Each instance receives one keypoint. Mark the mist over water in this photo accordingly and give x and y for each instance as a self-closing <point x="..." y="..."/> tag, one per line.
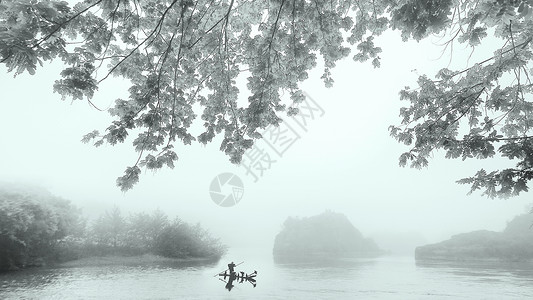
<point x="389" y="277"/>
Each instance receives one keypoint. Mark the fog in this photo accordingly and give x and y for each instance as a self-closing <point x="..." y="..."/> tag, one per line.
<point x="345" y="161"/>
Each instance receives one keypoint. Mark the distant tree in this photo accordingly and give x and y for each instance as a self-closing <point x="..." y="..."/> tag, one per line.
<point x="137" y="230"/>
<point x="181" y="240"/>
<point x="143" y="229"/>
<point x="154" y="233"/>
<point x="178" y="54"/>
<point x="520" y="225"/>
<point x="110" y="229"/>
<point x="205" y="244"/>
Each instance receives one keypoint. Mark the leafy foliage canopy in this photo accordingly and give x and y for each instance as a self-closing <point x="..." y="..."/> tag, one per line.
<point x="179" y="54"/>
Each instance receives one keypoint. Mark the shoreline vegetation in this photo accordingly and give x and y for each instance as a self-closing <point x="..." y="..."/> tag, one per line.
<point x="143" y="259"/>
<point x="38" y="229"/>
<point x="513" y="244"/>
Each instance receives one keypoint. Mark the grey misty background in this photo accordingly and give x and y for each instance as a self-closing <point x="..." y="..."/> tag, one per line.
<point x="345" y="162"/>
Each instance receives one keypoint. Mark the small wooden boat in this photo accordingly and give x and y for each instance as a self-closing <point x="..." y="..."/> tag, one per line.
<point x="239" y="275"/>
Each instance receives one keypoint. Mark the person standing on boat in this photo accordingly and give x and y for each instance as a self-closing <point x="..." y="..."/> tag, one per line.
<point x="231" y="267"/>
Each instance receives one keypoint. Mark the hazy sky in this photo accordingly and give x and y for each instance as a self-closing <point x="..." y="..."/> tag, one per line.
<point x="345" y="162"/>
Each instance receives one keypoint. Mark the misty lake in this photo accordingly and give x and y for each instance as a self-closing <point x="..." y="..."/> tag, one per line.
<point x="388" y="277"/>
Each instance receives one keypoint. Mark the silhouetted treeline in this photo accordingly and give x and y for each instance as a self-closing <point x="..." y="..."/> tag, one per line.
<point x="36" y="230"/>
<point x="514" y="243"/>
<point x="141" y="233"/>
<point x="329" y="234"/>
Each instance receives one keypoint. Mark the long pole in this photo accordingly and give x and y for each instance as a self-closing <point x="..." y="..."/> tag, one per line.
<point x="228" y="269"/>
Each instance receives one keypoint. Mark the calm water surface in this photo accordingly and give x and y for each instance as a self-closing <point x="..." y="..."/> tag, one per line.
<point x="380" y="278"/>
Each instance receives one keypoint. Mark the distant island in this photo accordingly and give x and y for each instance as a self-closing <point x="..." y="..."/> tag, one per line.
<point x="515" y="243"/>
<point x="326" y="235"/>
<point x="38" y="229"/>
